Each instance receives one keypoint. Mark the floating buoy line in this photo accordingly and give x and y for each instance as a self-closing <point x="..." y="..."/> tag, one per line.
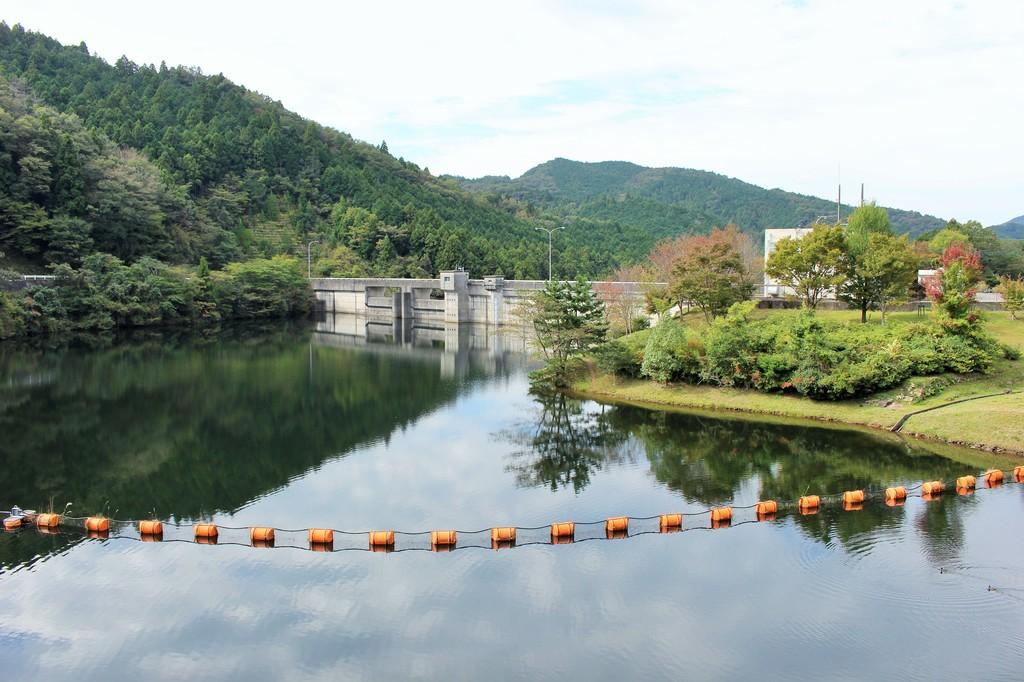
<point x="497" y="537"/>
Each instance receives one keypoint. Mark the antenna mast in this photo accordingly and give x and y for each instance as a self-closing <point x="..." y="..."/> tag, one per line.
<point x="839" y="196"/>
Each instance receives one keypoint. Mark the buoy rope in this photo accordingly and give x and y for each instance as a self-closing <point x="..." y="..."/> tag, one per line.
<point x="1018" y="475"/>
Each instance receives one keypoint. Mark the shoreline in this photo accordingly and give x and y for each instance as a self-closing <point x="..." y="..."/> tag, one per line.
<point x="651" y="395"/>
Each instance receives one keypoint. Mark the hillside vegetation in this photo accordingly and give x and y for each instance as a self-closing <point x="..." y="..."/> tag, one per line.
<point x="209" y="168"/>
<point x="1011" y="229"/>
<point x="646" y="197"/>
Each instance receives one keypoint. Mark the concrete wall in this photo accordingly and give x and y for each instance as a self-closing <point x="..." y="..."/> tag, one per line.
<point x="452" y="298"/>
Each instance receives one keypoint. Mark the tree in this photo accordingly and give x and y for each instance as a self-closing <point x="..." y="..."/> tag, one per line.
<point x="710" y="275"/>
<point x="888" y="268"/>
<point x="946" y="237"/>
<point x="622" y="305"/>
<point x="880" y="267"/>
<point x="954" y="286"/>
<point x="1013" y="294"/>
<point x="812" y="264"/>
<point x="865" y="221"/>
<point x="569" y="321"/>
<point x="203" y="303"/>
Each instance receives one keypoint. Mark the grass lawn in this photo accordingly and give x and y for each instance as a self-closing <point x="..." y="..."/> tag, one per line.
<point x="992" y="423"/>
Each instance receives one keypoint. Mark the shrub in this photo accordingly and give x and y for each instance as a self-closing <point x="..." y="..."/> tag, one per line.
<point x="12" y="320"/>
<point x="671" y="354"/>
<point x="615" y="358"/>
<point x="817" y="358"/>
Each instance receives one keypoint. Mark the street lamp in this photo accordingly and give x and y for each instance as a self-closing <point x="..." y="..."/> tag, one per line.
<point x="550" y="231"/>
<point x="309" y="258"/>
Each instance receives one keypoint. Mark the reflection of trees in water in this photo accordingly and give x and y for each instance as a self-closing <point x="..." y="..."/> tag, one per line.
<point x="707" y="460"/>
<point x="564" y="444"/>
<point x="27" y="547"/>
<point x="191" y="428"/>
<point x="941" y="528"/>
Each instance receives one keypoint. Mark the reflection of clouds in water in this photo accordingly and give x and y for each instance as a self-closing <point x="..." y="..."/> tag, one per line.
<point x="732" y="603"/>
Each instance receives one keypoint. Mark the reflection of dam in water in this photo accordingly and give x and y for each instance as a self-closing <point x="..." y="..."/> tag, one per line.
<point x="457" y="346"/>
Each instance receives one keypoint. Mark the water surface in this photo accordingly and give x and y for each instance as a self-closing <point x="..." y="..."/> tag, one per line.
<point x="368" y="426"/>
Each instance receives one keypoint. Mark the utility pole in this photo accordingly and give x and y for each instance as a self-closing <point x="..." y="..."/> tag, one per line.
<point x="550" y="231"/>
<point x="862" y="194"/>
<point x="309" y="258"/>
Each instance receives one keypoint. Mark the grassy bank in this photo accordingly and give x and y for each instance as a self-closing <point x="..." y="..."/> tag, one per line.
<point x="995" y="424"/>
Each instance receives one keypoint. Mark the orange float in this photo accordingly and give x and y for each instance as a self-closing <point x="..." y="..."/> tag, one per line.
<point x="261" y="534"/>
<point x="721" y="514"/>
<point x="97" y="524"/>
<point x="670" y="522"/>
<point x="205" y="530"/>
<point x="895" y="493"/>
<point x="443" y="538"/>
<point x="151" y="528"/>
<point x="966" y="482"/>
<point x="808" y="502"/>
<point x="565" y="529"/>
<point x="932" y="488"/>
<point x="503" y="534"/>
<point x="617" y="524"/>
<point x="993" y="478"/>
<point x="12" y="522"/>
<point x="963" y="490"/>
<point x="852" y="506"/>
<point x="767" y="508"/>
<point x="382" y="538"/>
<point x="1018" y="473"/>
<point x="853" y="497"/>
<point x="321" y="536"/>
<point x="48" y="520"/>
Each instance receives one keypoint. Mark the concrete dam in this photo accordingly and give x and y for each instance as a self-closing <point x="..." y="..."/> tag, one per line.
<point x="451" y="298"/>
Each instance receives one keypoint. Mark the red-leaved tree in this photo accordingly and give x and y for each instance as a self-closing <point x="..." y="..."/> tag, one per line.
<point x="954" y="287"/>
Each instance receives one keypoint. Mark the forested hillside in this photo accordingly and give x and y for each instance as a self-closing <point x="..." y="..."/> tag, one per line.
<point x="645" y="197"/>
<point x="168" y="163"/>
<point x="1011" y="229"/>
<point x="226" y="173"/>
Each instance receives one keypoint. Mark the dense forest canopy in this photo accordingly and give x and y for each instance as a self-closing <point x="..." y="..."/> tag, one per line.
<point x="647" y="196"/>
<point x="226" y="173"/>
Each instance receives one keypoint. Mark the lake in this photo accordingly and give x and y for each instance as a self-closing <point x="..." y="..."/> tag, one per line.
<point x="358" y="426"/>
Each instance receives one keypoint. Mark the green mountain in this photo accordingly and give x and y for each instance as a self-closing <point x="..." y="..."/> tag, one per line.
<point x="144" y="160"/>
<point x="1011" y="229"/>
<point x="653" y="198"/>
<point x="166" y="162"/>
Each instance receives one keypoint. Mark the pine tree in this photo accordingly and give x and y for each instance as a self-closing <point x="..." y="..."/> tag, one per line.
<point x="569" y="321"/>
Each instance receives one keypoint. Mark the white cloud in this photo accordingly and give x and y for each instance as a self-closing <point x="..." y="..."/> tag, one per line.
<point x="920" y="100"/>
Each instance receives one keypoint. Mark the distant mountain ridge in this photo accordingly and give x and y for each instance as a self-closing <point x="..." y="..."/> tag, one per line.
<point x="1011" y="229"/>
<point x="567" y="186"/>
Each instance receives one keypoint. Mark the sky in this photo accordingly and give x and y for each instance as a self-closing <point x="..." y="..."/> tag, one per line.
<point x="921" y="100"/>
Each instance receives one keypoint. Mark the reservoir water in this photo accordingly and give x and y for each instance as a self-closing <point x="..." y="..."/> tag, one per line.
<point x="362" y="426"/>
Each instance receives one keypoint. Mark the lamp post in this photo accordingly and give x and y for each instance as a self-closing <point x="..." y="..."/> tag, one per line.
<point x="309" y="258"/>
<point x="550" y="231"/>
